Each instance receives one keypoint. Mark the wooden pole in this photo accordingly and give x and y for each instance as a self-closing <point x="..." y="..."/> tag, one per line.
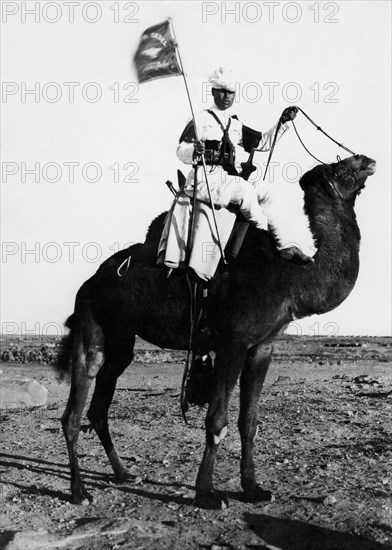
<point x="197" y="137"/>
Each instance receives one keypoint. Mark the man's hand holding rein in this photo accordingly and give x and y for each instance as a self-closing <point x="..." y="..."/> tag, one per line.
<point x="289" y="114"/>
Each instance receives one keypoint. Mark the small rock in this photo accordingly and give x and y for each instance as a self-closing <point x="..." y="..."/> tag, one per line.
<point x="224" y="505"/>
<point x="137" y="480"/>
<point x="362" y="379"/>
<point x="282" y="378"/>
<point x="330" y="499"/>
<point x="22" y="393"/>
<point x="135" y="458"/>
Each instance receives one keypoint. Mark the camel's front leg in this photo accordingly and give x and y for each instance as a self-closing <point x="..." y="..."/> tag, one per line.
<point x="228" y="364"/>
<point x="252" y="379"/>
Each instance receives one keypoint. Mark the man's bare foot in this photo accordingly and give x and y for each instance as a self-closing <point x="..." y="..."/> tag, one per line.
<point x="295" y="255"/>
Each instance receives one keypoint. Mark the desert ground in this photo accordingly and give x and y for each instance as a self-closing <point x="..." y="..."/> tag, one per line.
<point x="324" y="448"/>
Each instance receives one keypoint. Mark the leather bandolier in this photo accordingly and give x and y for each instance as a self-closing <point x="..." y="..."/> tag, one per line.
<point x="222" y="153"/>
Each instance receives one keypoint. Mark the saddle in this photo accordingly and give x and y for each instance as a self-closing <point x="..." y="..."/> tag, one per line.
<point x="203" y="254"/>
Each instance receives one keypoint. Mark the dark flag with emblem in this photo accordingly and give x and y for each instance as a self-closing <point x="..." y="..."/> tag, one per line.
<point x="156" y="56"/>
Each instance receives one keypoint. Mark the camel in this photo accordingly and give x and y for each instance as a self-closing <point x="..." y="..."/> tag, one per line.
<point x="251" y="302"/>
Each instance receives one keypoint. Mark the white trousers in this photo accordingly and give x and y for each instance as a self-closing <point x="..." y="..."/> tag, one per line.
<point x="227" y="189"/>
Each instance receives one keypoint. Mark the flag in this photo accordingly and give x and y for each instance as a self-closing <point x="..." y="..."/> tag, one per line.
<point x="156" y="56"/>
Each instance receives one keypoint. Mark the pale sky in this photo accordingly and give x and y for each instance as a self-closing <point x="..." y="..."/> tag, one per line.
<point x="102" y="147"/>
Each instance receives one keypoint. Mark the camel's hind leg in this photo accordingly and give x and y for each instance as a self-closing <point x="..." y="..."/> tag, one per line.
<point x="228" y="364"/>
<point x="87" y="359"/>
<point x="251" y="383"/>
<point x="118" y="355"/>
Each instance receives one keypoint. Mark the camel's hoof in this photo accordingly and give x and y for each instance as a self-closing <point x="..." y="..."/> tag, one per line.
<point x="257" y="494"/>
<point x="81" y="497"/>
<point x="121" y="477"/>
<point x="127" y="477"/>
<point x="211" y="501"/>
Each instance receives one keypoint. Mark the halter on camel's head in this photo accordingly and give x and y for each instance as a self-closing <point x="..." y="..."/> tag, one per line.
<point x="346" y="177"/>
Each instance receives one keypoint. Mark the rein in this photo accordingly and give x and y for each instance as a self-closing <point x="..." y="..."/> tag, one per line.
<point x="302" y="143"/>
<point x="325" y="133"/>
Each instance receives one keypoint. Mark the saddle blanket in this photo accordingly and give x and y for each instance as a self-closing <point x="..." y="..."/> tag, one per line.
<point x="205" y="254"/>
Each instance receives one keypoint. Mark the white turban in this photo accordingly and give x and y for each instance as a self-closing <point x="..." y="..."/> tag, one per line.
<point x="222" y="79"/>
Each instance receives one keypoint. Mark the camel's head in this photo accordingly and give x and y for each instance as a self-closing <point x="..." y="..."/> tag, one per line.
<point x="343" y="179"/>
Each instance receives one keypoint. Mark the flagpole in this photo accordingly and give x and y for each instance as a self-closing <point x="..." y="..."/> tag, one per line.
<point x="197" y="137"/>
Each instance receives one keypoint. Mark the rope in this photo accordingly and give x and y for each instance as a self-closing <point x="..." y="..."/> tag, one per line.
<point x="325" y="133"/>
<point x="127" y="261"/>
<point x="304" y="146"/>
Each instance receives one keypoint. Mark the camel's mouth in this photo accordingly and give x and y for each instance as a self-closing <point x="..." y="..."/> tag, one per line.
<point x="368" y="171"/>
<point x="371" y="168"/>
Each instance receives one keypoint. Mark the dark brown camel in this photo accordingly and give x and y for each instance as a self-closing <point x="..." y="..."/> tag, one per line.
<point x="251" y="302"/>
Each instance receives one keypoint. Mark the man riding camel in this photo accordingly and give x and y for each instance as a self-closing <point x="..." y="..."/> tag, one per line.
<point x="221" y="138"/>
<point x="221" y="135"/>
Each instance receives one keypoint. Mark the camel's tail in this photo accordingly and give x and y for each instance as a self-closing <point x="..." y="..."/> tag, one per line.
<point x="64" y="358"/>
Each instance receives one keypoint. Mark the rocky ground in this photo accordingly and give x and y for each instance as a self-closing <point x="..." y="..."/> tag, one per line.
<point x="324" y="448"/>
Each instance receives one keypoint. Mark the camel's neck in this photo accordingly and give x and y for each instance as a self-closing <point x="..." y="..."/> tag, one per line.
<point x="331" y="278"/>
